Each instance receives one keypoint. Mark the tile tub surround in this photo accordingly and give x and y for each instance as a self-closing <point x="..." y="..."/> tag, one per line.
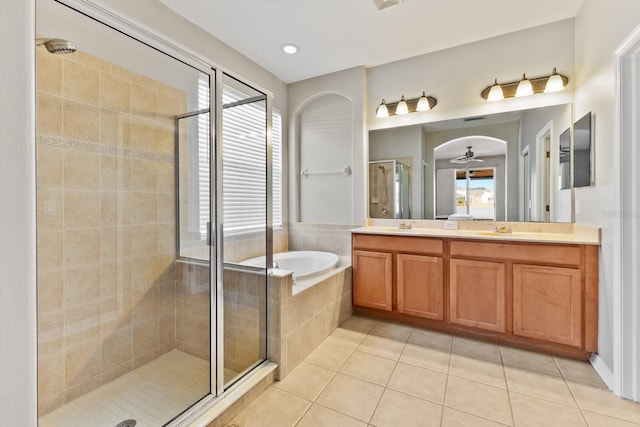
<point x="298" y="323"/>
<point x="105" y="222"/>
<point x="333" y="238"/>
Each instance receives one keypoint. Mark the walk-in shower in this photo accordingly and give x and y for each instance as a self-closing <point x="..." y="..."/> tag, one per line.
<point x="139" y="315"/>
<point x="389" y="189"/>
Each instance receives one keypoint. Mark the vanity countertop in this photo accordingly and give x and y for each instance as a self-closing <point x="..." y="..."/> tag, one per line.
<point x="581" y="235"/>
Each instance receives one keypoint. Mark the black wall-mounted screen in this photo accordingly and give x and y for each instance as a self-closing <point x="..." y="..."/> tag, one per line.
<point x="565" y="159"/>
<point x="582" y="152"/>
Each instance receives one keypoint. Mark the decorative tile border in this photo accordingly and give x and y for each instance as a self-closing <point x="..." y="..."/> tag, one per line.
<point x="105" y="149"/>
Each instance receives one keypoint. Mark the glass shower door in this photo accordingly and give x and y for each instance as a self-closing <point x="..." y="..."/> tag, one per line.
<point x="245" y="227"/>
<point x="124" y="323"/>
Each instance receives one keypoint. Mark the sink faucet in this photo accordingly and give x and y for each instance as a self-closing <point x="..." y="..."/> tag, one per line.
<point x="502" y="228"/>
<point x="405" y="225"/>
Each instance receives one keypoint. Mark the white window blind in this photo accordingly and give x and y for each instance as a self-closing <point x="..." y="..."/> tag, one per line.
<point x="203" y="156"/>
<point x="244" y="169"/>
<point x="276" y="138"/>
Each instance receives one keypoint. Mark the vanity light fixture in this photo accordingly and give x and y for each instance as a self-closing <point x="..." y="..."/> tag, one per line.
<point x="495" y="93"/>
<point x="405" y="106"/>
<point x="402" y="107"/>
<point x="423" y="103"/>
<point x="525" y="87"/>
<point x="382" y="111"/>
<point x="555" y="83"/>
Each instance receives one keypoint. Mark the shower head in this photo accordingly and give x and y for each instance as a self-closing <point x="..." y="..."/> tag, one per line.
<point x="57" y="46"/>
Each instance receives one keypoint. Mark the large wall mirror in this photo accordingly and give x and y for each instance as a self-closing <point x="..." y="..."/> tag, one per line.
<point x="500" y="167"/>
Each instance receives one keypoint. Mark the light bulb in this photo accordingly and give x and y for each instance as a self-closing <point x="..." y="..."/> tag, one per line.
<point x="524" y="87"/>
<point x="423" y="103"/>
<point x="402" y="107"/>
<point x="555" y="83"/>
<point x="496" y="93"/>
<point x="382" y="111"/>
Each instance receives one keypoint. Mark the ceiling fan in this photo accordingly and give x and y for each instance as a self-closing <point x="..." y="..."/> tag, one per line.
<point x="466" y="157"/>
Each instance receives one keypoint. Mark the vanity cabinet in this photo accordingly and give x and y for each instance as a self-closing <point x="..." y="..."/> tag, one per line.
<point x="373" y="273"/>
<point x="477" y="294"/>
<point x="547" y="303"/>
<point x="535" y="295"/>
<point x="420" y="285"/>
<point x="409" y="269"/>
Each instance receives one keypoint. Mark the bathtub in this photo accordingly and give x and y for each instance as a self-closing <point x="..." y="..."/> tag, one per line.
<point x="305" y="265"/>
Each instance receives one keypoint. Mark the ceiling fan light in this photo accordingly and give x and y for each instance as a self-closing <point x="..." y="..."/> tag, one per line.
<point x="402" y="107"/>
<point x="524" y="87"/>
<point x="423" y="103"/>
<point x="382" y="111"/>
<point x="555" y="83"/>
<point x="495" y="93"/>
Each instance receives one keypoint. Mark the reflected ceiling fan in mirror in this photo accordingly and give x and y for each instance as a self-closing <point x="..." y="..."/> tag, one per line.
<point x="467" y="157"/>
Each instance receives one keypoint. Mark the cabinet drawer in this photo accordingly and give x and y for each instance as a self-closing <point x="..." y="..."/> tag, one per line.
<point x="544" y="254"/>
<point x="409" y="244"/>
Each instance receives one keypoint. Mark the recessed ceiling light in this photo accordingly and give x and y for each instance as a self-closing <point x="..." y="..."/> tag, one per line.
<point x="290" y="48"/>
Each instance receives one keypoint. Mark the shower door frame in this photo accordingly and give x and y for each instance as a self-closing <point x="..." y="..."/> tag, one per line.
<point x="145" y="35"/>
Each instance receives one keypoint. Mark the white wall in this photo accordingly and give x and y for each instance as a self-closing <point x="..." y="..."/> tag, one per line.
<point x="17" y="216"/>
<point x="350" y="84"/>
<point x="600" y="27"/>
<point x="325" y="145"/>
<point x="456" y="76"/>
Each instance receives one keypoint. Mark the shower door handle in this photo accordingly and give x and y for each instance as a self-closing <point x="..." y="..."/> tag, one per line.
<point x="209" y="231"/>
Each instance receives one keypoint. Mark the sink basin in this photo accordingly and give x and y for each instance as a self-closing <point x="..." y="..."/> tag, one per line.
<point x="512" y="234"/>
<point x="491" y="233"/>
<point x="392" y="229"/>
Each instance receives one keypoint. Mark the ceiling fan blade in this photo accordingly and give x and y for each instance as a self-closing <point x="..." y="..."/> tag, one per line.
<point x="459" y="160"/>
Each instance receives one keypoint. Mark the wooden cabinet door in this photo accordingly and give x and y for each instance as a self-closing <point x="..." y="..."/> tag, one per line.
<point x="477" y="294"/>
<point x="547" y="303"/>
<point x="420" y="286"/>
<point x="372" y="279"/>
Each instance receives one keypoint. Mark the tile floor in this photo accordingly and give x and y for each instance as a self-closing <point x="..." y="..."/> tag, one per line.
<point x="152" y="395"/>
<point x="372" y="373"/>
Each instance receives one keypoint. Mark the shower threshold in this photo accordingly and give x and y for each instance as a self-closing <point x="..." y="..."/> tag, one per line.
<point x="152" y="395"/>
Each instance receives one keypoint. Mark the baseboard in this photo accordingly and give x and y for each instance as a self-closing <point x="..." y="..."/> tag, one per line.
<point x="603" y="370"/>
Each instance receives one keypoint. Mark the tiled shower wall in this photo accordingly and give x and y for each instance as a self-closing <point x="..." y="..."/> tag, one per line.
<point x="106" y="226"/>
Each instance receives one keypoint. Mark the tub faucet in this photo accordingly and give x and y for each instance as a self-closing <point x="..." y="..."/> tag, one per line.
<point x="502" y="228"/>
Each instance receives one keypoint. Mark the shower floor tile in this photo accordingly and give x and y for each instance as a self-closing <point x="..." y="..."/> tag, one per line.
<point x="152" y="395"/>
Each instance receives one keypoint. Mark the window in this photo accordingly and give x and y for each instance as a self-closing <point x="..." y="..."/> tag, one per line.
<point x="244" y="163"/>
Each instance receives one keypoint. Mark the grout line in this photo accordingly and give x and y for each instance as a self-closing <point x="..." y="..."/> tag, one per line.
<point x="506" y="384"/>
<point x="446" y="385"/>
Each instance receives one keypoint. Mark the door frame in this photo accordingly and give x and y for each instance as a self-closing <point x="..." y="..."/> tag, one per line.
<point x="626" y="296"/>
